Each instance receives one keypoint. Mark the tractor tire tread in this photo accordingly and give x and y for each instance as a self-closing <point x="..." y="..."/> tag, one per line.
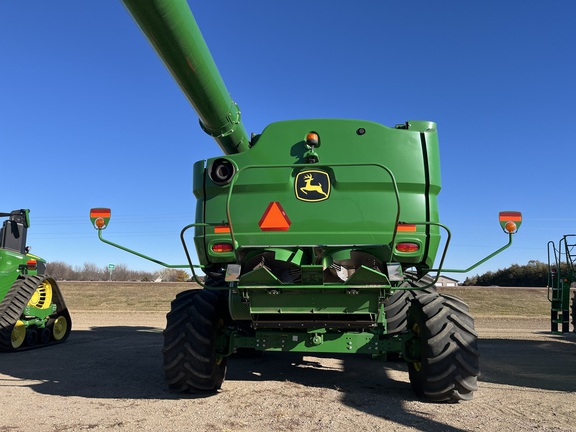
<point x="191" y="364"/>
<point x="448" y="370"/>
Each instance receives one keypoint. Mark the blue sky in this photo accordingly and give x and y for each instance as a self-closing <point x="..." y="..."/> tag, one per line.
<point x="89" y="116"/>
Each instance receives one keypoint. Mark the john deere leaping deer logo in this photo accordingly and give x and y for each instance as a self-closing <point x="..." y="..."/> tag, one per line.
<point x="312" y="186"/>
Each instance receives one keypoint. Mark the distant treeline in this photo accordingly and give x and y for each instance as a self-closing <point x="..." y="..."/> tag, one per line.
<point x="533" y="274"/>
<point x="91" y="272"/>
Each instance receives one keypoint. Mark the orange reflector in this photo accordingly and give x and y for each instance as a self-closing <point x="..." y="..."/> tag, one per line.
<point x="100" y="212"/>
<point x="100" y="223"/>
<point x="407" y="247"/>
<point x="510" y="226"/>
<point x="31" y="264"/>
<point x="221" y="229"/>
<point x="274" y="218"/>
<point x="222" y="247"/>
<point x="406" y="227"/>
<point x="510" y="216"/>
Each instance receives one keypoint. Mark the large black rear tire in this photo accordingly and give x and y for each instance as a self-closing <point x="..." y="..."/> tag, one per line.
<point x="444" y="358"/>
<point x="397" y="305"/>
<point x="191" y="361"/>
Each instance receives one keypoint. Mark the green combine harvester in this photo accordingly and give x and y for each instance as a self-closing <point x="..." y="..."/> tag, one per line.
<point x="32" y="310"/>
<point x="315" y="236"/>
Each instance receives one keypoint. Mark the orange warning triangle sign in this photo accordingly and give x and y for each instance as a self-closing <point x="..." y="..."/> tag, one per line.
<point x="274" y="218"/>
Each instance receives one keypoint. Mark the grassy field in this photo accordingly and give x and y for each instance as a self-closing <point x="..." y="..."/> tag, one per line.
<point x="121" y="296"/>
<point x="126" y="296"/>
<point x="502" y="301"/>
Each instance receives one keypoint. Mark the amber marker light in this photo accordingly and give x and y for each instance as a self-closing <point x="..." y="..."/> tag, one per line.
<point x="312" y="139"/>
<point x="404" y="227"/>
<point x="31" y="264"/>
<point x="221" y="229"/>
<point x="510" y="221"/>
<point x="100" y="217"/>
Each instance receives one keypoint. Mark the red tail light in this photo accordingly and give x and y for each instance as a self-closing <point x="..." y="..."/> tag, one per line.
<point x="32" y="264"/>
<point x="407" y="247"/>
<point x="222" y="247"/>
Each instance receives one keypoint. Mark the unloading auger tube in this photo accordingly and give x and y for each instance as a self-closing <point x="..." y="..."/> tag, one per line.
<point x="315" y="237"/>
<point x="172" y="30"/>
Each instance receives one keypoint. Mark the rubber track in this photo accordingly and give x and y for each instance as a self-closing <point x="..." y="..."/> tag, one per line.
<point x="13" y="305"/>
<point x="190" y="361"/>
<point x="450" y="352"/>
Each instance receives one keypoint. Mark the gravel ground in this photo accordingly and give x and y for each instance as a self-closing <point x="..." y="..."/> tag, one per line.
<point x="108" y="376"/>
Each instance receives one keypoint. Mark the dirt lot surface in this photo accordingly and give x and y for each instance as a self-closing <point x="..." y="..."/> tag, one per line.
<point x="108" y="376"/>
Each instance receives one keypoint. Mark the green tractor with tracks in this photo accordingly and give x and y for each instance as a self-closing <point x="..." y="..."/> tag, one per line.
<point x="315" y="236"/>
<point x="32" y="309"/>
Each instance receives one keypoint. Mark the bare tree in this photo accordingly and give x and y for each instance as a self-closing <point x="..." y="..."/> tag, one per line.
<point x="91" y="272"/>
<point x="173" y="275"/>
<point x="60" y="271"/>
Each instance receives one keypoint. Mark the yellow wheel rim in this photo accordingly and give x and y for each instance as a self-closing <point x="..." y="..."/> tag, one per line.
<point x="60" y="328"/>
<point x="42" y="297"/>
<point x="18" y="334"/>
